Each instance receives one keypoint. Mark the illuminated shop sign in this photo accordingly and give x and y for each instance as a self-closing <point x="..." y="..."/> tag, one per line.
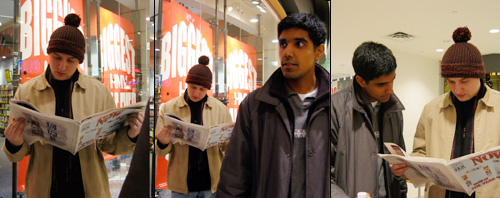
<point x="39" y="18"/>
<point x="118" y="57"/>
<point x="241" y="73"/>
<point x="185" y="37"/>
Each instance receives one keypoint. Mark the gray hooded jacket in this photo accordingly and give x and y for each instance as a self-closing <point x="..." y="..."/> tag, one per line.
<point x="354" y="149"/>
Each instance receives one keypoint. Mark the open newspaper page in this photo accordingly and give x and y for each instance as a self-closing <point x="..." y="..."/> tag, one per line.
<point x="464" y="174"/>
<point x="46" y="128"/>
<point x="69" y="134"/>
<point x="477" y="169"/>
<point x="219" y="133"/>
<point x="423" y="170"/>
<point x="100" y="125"/>
<point x="195" y="135"/>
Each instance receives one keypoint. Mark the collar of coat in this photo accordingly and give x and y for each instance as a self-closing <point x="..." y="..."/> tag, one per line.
<point x="83" y="81"/>
<point x="274" y="92"/>
<point x="394" y="104"/>
<point x="181" y="102"/>
<point x="487" y="99"/>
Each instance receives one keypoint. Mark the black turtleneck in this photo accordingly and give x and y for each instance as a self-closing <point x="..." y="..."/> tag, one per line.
<point x="198" y="178"/>
<point x="463" y="143"/>
<point x="66" y="169"/>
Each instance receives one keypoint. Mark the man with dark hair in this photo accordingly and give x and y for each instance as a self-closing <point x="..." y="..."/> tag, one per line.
<point x="279" y="146"/>
<point x="364" y="116"/>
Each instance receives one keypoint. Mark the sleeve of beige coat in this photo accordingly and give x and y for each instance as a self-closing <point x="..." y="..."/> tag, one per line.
<point x="419" y="147"/>
<point x="226" y="118"/>
<point x="25" y="149"/>
<point x="159" y="124"/>
<point x="117" y="143"/>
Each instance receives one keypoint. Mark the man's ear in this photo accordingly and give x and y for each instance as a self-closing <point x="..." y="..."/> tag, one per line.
<point x="318" y="52"/>
<point x="361" y="81"/>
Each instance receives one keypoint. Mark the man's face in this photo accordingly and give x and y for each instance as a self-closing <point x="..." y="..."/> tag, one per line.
<point x="62" y="66"/>
<point x="378" y="89"/>
<point x="196" y="92"/>
<point x="297" y="54"/>
<point x="464" y="88"/>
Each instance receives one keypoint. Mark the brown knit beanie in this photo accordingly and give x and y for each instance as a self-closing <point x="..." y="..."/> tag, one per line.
<point x="462" y="59"/>
<point x="200" y="74"/>
<point x="68" y="39"/>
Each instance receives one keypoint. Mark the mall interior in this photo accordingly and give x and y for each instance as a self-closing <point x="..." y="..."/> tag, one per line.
<point x="141" y="50"/>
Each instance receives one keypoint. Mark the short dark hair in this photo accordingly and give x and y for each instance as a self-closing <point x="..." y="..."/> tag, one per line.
<point x="372" y="60"/>
<point x="315" y="27"/>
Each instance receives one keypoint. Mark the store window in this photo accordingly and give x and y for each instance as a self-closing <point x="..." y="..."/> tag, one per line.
<point x="6" y="90"/>
<point x="117" y="54"/>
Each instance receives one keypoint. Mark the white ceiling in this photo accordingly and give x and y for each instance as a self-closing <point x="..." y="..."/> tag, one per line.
<point x="6" y="11"/>
<point x="431" y="22"/>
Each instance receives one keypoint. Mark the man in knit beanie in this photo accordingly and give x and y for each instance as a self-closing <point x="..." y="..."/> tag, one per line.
<point x="192" y="172"/>
<point x="463" y="120"/>
<point x="63" y="91"/>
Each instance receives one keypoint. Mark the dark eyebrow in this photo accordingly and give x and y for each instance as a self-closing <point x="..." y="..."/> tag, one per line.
<point x="296" y="39"/>
<point x="301" y="39"/>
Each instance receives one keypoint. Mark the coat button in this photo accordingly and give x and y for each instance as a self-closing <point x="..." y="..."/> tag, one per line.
<point x="311" y="153"/>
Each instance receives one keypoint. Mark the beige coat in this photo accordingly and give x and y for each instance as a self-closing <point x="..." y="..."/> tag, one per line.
<point x="436" y="130"/>
<point x="89" y="97"/>
<point x="214" y="112"/>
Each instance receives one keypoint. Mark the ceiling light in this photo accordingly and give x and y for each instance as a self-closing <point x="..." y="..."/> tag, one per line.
<point x="275" y="41"/>
<point x="262" y="10"/>
<point x="254" y="20"/>
<point x="494" y="31"/>
<point x="255" y="2"/>
<point x="4" y="57"/>
<point x="229" y="9"/>
<point x="439" y="50"/>
<point x="258" y="6"/>
<point x="157" y="49"/>
<point x="259" y="58"/>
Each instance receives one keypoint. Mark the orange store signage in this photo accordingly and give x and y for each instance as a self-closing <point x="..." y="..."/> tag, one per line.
<point x="241" y="73"/>
<point x="118" y="57"/>
<point x="185" y="37"/>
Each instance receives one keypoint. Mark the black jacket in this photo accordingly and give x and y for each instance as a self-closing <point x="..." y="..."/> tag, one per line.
<point x="258" y="159"/>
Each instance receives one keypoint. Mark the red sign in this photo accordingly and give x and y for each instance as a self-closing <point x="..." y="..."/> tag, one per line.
<point x="185" y="37"/>
<point x="118" y="57"/>
<point x="39" y="18"/>
<point x="241" y="73"/>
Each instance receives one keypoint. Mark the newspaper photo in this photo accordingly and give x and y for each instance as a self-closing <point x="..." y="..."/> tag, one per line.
<point x="463" y="174"/>
<point x="198" y="136"/>
<point x="66" y="133"/>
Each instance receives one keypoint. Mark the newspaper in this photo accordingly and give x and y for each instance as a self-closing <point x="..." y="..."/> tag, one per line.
<point x="198" y="136"/>
<point x="463" y="174"/>
<point x="66" y="133"/>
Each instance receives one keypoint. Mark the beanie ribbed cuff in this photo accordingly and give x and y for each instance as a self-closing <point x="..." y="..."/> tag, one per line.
<point x="199" y="80"/>
<point x="460" y="70"/>
<point x="66" y="47"/>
